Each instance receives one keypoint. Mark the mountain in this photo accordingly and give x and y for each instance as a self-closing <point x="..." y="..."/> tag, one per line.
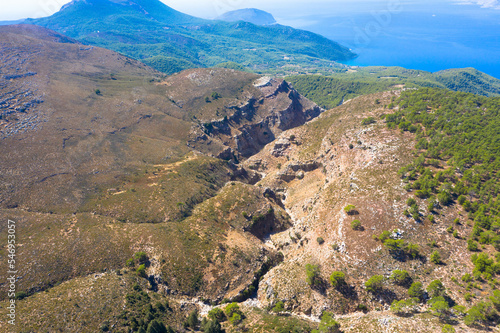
<point x="11" y="22"/>
<point x="142" y="200"/>
<point x="124" y="153"/>
<point x="152" y="32"/>
<point x="252" y="15"/>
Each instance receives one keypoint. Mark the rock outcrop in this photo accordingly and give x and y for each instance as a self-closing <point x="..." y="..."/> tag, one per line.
<point x="273" y="107"/>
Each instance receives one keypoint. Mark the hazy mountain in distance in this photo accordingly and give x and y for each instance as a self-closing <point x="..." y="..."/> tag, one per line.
<point x="149" y="30"/>
<point x="11" y="22"/>
<point x="252" y="15"/>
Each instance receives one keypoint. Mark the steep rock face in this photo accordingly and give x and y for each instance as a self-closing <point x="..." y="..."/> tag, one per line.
<point x="320" y="168"/>
<point x="273" y="107"/>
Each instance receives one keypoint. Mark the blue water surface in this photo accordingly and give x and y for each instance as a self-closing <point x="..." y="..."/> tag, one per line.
<point x="430" y="36"/>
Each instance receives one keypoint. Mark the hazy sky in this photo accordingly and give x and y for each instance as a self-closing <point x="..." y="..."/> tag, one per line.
<point x="17" y="9"/>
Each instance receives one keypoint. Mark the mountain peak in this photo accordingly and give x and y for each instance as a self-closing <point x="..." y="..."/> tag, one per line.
<point x="252" y="15"/>
<point x="97" y="9"/>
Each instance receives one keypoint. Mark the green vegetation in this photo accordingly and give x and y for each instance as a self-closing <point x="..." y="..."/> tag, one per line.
<point x="139" y="32"/>
<point x="350" y="209"/>
<point x="192" y="320"/>
<point x="439" y="307"/>
<point x="398" y="247"/>
<point x="216" y="314"/>
<point x="460" y="131"/>
<point x="279" y="307"/>
<point x="320" y="240"/>
<point x="404" y="307"/>
<point x="356" y="225"/>
<point x="368" y="121"/>
<point x="337" y="279"/>
<point x="212" y="327"/>
<point x="416" y="290"/>
<point x="156" y="327"/>
<point x="330" y="91"/>
<point x="233" y="313"/>
<point x="328" y="324"/>
<point x="401" y="277"/>
<point x="312" y="275"/>
<point x="436" y="288"/>
<point x="435" y="257"/>
<point x="375" y="284"/>
<point x="168" y="65"/>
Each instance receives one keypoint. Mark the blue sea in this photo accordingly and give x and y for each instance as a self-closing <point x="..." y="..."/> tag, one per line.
<point x="430" y="36"/>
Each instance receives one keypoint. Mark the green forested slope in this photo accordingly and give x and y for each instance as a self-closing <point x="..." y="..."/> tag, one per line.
<point x="145" y="29"/>
<point x="330" y="91"/>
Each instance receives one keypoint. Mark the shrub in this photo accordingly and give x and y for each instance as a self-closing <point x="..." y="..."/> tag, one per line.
<point x="337" y="279"/>
<point x="356" y="225"/>
<point x="232" y="309"/>
<point x="435" y="257"/>
<point x="328" y="324"/>
<point x="351" y="146"/>
<point x="394" y="245"/>
<point x="368" y="121"/>
<point x="375" y="284"/>
<point x="474" y="317"/>
<point x="141" y="257"/>
<point x="105" y="327"/>
<point x="400" y="277"/>
<point x="216" y="314"/>
<point x="192" y="320"/>
<point x="412" y="250"/>
<point x="495" y="299"/>
<point x="472" y="245"/>
<point x="279" y="307"/>
<point x="349" y="209"/>
<point x="416" y="290"/>
<point x="482" y="263"/>
<point x="212" y="327"/>
<point x="466" y="278"/>
<point x="320" y="240"/>
<point x="235" y="319"/>
<point x="444" y="198"/>
<point x="20" y="295"/>
<point x="439" y="307"/>
<point x="97" y="91"/>
<point x="384" y="235"/>
<point x="404" y="306"/>
<point x="362" y="307"/>
<point x="436" y="288"/>
<point x="156" y="326"/>
<point x="448" y="329"/>
<point x="312" y="275"/>
<point x="141" y="271"/>
<point x="411" y="201"/>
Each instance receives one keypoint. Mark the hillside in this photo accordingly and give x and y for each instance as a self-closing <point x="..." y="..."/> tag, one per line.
<point x="148" y="202"/>
<point x="114" y="171"/>
<point x="252" y="15"/>
<point x="332" y="89"/>
<point x="152" y="32"/>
